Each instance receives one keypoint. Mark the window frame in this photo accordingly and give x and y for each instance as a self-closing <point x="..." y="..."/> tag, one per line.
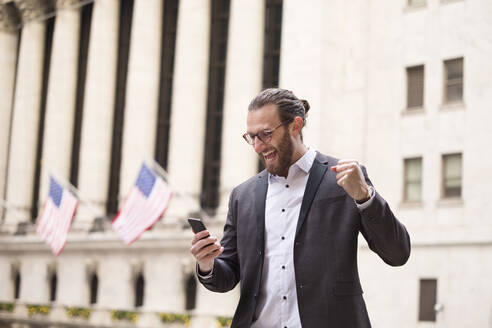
<point x="445" y="83"/>
<point x="443" y="176"/>
<point x="406" y="182"/>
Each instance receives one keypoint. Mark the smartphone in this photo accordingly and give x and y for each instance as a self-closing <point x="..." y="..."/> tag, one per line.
<point x="196" y="225"/>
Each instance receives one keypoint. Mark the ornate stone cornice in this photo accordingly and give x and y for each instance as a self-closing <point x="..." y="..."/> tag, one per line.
<point x="9" y="18"/>
<point x="33" y="9"/>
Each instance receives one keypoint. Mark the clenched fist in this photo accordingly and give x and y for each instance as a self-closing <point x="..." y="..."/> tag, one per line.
<point x="351" y="179"/>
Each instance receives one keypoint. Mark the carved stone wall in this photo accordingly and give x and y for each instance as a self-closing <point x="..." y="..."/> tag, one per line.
<point x="33" y="9"/>
<point x="9" y="18"/>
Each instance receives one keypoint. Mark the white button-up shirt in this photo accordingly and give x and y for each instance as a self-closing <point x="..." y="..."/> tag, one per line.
<point x="277" y="302"/>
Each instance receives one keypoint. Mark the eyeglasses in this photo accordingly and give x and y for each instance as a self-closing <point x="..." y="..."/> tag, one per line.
<point x="264" y="135"/>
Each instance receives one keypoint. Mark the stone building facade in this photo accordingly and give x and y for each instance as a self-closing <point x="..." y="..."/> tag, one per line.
<point x="91" y="88"/>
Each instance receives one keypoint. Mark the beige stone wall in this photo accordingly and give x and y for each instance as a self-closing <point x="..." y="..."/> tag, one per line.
<point x="347" y="58"/>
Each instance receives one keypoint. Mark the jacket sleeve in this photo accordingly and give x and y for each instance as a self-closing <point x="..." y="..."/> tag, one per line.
<point x="225" y="274"/>
<point x="383" y="232"/>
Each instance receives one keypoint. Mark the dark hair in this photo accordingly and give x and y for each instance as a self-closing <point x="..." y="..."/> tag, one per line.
<point x="288" y="105"/>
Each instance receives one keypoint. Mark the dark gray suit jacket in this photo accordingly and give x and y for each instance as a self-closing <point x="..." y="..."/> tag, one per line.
<point x="329" y="293"/>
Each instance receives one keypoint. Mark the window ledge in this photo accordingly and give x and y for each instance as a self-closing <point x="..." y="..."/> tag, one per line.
<point x="450" y="202"/>
<point x="404" y="204"/>
<point x="422" y="6"/>
<point x="444" y="2"/>
<point x="458" y="105"/>
<point x="413" y="111"/>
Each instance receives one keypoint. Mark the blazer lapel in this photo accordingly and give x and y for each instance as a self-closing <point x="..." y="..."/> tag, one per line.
<point x="260" y="200"/>
<point x="315" y="176"/>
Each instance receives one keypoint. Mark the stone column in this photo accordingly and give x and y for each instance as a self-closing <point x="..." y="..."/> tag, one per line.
<point x="9" y="27"/>
<point x="142" y="90"/>
<point x="25" y="116"/>
<point x="95" y="147"/>
<point x="189" y="105"/>
<point x="242" y="83"/>
<point x="60" y="104"/>
<point x="302" y="62"/>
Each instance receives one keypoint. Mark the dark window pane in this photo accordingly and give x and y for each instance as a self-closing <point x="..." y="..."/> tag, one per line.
<point x="53" y="286"/>
<point x="272" y="41"/>
<point x="415" y="86"/>
<point x="139" y="290"/>
<point x="85" y="28"/>
<point x="17" y="285"/>
<point x="94" y="285"/>
<point x="166" y="80"/>
<point x="126" y="13"/>
<point x="190" y="293"/>
<point x="215" y="102"/>
<point x="50" y="27"/>
<point x="428" y="299"/>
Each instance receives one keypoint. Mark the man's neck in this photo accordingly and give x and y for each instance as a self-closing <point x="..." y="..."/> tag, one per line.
<point x="298" y="153"/>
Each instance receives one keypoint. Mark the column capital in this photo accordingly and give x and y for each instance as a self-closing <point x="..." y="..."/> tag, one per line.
<point x="33" y="9"/>
<point x="66" y="4"/>
<point x="9" y="18"/>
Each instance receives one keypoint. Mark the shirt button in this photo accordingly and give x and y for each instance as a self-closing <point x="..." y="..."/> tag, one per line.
<point x="283" y="210"/>
<point x="285" y="297"/>
<point x="283" y="267"/>
<point x="283" y="237"/>
<point x="286" y="186"/>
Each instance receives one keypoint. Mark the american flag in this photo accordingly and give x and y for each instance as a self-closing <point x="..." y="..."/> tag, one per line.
<point x="56" y="217"/>
<point x="145" y="204"/>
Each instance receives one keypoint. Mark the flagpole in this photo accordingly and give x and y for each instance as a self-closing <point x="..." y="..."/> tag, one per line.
<point x="76" y="192"/>
<point x="160" y="170"/>
<point x="164" y="174"/>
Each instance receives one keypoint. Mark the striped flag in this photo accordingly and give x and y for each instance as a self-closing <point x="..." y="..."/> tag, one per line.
<point x="145" y="204"/>
<point x="56" y="217"/>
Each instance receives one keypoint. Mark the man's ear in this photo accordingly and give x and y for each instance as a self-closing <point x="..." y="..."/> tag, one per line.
<point x="297" y="125"/>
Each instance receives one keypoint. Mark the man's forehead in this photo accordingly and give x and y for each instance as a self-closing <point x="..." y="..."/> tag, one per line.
<point x="262" y="118"/>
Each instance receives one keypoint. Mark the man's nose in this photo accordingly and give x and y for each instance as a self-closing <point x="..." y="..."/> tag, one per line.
<point x="258" y="144"/>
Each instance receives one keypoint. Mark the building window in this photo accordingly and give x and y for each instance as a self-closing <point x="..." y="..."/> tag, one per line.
<point x="415" y="87"/>
<point x="452" y="175"/>
<point x="85" y="29"/>
<point x="17" y="283"/>
<point x="428" y="299"/>
<point x="453" y="85"/>
<point x="166" y="80"/>
<point x="93" y="288"/>
<point x="190" y="293"/>
<point x="413" y="180"/>
<point x="271" y="48"/>
<point x="272" y="41"/>
<point x="126" y="13"/>
<point x="48" y="41"/>
<point x="415" y="3"/>
<point x="53" y="286"/>
<point x="215" y="100"/>
<point x="139" y="290"/>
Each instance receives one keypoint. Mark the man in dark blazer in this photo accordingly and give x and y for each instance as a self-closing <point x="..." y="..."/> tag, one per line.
<point x="291" y="233"/>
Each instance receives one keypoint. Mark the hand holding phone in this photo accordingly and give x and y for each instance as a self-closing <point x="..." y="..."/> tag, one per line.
<point x="204" y="249"/>
<point x="196" y="225"/>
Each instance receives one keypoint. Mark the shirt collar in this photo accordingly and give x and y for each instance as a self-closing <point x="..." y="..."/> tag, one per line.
<point x="304" y="163"/>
